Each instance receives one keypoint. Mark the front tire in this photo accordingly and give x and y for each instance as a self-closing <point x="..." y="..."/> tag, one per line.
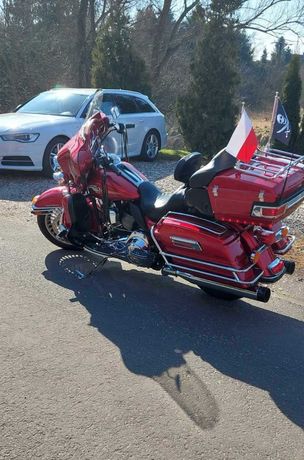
<point x="151" y="146"/>
<point x="53" y="147"/>
<point x="49" y="227"/>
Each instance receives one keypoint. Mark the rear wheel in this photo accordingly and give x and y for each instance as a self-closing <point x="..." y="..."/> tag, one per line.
<point x="49" y="227"/>
<point x="151" y="146"/>
<point x="212" y="292"/>
<point x="49" y="157"/>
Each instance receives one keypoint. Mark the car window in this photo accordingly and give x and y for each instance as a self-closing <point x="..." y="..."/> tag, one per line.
<point x="108" y="103"/>
<point x="62" y="103"/>
<point x="143" y="106"/>
<point x="126" y="104"/>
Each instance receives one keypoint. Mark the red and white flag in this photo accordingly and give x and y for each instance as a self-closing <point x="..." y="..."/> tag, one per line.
<point x="243" y="142"/>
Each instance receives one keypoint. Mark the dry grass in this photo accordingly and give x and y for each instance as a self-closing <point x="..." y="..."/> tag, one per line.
<point x="297" y="253"/>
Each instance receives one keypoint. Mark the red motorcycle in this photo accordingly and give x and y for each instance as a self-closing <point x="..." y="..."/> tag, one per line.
<point x="221" y="229"/>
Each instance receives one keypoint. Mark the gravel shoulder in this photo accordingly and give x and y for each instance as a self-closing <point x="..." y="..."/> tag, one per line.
<point x="18" y="188"/>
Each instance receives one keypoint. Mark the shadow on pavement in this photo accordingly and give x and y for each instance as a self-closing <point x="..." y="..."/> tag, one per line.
<point x="155" y="321"/>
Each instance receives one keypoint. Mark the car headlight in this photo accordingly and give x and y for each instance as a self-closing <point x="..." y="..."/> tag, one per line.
<point x="20" y="137"/>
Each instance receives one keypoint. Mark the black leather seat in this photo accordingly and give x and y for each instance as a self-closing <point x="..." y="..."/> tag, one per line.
<point x="203" y="176"/>
<point x="155" y="204"/>
<point x="187" y="166"/>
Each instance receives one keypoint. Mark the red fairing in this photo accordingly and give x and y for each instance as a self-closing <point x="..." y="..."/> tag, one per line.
<point x="118" y="187"/>
<point x="75" y="157"/>
<point x="52" y="198"/>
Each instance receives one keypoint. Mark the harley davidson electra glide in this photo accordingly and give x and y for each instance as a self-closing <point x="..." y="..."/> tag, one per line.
<point x="221" y="229"/>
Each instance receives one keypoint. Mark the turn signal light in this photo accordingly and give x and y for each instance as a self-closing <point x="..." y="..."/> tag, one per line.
<point x="284" y="231"/>
<point x="35" y="199"/>
<point x="255" y="257"/>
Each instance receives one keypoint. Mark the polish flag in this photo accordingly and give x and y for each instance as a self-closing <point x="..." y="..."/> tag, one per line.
<point x="243" y="142"/>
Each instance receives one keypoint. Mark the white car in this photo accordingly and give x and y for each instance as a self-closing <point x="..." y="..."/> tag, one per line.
<point x="31" y="136"/>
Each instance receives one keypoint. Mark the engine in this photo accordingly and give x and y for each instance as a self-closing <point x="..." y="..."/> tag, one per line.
<point x="134" y="249"/>
<point x="139" y="252"/>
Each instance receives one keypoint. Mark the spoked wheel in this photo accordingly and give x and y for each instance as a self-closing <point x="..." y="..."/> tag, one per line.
<point x="220" y="294"/>
<point x="151" y="146"/>
<point x="50" y="155"/>
<point x="49" y="227"/>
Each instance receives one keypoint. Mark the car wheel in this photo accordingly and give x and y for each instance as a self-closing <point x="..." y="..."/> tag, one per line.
<point x="151" y="146"/>
<point x="53" y="147"/>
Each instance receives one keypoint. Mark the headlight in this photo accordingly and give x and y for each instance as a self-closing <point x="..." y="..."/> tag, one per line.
<point x="20" y="137"/>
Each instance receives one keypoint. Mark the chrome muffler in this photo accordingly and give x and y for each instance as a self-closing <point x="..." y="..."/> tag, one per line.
<point x="261" y="294"/>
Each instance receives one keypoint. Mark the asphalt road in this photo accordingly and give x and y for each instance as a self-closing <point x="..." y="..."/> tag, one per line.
<point x="129" y="365"/>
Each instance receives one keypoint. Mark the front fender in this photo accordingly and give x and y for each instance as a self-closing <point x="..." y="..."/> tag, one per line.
<point x="49" y="200"/>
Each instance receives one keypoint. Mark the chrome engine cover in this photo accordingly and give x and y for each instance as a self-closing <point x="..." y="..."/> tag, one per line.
<point x="134" y="249"/>
<point x="139" y="251"/>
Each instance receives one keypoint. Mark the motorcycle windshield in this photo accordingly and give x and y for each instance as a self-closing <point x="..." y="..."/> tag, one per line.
<point x="96" y="104"/>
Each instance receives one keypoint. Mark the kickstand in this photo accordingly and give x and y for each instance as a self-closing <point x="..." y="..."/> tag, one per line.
<point x="82" y="276"/>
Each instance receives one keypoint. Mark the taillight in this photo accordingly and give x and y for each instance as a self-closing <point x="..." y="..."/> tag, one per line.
<point x="266" y="237"/>
<point x="276" y="266"/>
<point x="269" y="212"/>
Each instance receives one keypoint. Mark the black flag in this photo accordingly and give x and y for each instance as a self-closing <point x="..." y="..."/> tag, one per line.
<point x="281" y="127"/>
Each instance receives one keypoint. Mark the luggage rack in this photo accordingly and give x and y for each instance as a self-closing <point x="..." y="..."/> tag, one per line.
<point x="259" y="166"/>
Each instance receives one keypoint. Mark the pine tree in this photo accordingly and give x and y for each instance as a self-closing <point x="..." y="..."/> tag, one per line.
<point x="115" y="63"/>
<point x="291" y="97"/>
<point x="207" y="112"/>
<point x="300" y="140"/>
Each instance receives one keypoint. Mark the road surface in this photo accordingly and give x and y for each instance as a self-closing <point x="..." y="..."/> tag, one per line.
<point x="130" y="365"/>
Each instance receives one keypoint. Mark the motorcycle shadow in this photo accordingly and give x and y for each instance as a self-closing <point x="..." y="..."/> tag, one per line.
<point x="156" y="320"/>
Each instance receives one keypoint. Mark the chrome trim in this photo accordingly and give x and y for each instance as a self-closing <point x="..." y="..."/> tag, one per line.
<point x="286" y="249"/>
<point x="185" y="243"/>
<point x="225" y="278"/>
<point x="157" y="245"/>
<point x="210" y="264"/>
<point x="294" y="200"/>
<point x="271" y="171"/>
<point x="46" y="210"/>
<point x="202" y="282"/>
<point x="274" y="263"/>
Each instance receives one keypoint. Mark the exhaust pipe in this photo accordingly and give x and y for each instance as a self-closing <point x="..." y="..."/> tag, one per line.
<point x="262" y="294"/>
<point x="290" y="266"/>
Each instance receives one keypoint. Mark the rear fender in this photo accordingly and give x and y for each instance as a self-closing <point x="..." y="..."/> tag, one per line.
<point x="49" y="200"/>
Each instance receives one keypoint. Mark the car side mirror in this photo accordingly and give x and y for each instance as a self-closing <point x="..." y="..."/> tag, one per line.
<point x="115" y="112"/>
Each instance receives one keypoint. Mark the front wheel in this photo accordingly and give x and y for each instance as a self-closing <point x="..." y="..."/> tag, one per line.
<point x="151" y="146"/>
<point x="49" y="227"/>
<point x="212" y="292"/>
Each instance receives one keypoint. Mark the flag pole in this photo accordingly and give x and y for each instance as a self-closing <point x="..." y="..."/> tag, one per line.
<point x="274" y="111"/>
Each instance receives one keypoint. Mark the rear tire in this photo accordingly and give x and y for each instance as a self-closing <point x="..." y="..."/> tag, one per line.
<point x="212" y="292"/>
<point x="50" y="152"/>
<point x="49" y="227"/>
<point x="151" y="146"/>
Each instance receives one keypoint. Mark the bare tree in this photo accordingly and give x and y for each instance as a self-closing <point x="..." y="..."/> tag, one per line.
<point x="269" y="16"/>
